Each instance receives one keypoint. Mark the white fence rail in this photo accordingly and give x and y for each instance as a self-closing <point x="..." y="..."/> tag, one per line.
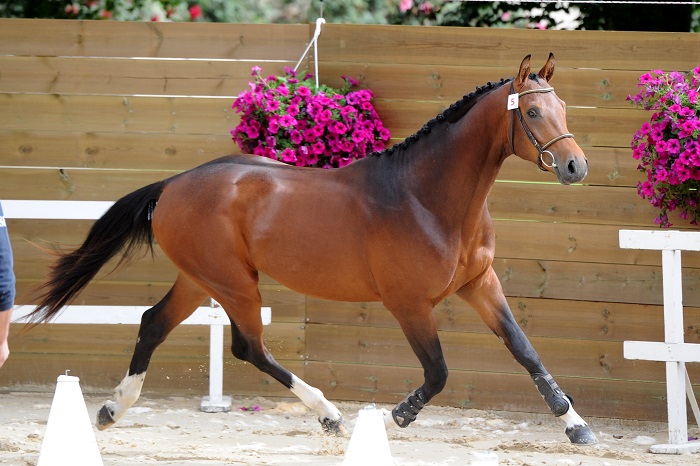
<point x="673" y="351"/>
<point x="211" y="315"/>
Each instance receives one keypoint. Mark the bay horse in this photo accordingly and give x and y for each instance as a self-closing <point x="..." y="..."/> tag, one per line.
<point x="408" y="227"/>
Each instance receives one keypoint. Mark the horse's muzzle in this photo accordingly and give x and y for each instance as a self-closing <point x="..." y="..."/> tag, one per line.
<point x="573" y="171"/>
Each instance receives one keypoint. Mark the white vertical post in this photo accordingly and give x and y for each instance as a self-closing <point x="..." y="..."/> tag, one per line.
<point x="216" y="362"/>
<point x="673" y="329"/>
<point x="216" y="402"/>
<point x="673" y="351"/>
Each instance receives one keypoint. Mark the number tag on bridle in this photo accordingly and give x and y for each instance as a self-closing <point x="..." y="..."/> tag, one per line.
<point x="513" y="101"/>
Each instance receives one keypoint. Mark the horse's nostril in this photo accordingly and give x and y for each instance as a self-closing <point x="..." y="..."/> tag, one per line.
<point x="572" y="167"/>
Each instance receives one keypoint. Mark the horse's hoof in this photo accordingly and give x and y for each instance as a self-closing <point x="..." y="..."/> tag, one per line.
<point x="105" y="418"/>
<point x="332" y="427"/>
<point x="581" y="435"/>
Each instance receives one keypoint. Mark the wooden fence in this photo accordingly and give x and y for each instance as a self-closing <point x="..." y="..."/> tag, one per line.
<point x="93" y="110"/>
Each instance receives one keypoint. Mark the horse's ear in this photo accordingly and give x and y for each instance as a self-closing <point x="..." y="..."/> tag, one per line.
<point x="547" y="70"/>
<point x="523" y="73"/>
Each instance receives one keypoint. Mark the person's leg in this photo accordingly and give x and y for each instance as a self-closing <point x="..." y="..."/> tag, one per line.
<point x="7" y="288"/>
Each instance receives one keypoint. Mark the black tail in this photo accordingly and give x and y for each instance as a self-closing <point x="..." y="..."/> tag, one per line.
<point x="126" y="226"/>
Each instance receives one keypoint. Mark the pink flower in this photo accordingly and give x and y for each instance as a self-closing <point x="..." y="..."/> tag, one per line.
<point x="349" y="80"/>
<point x="296" y="137"/>
<point x="317" y="148"/>
<point x="195" y="12"/>
<point x="426" y="8"/>
<point x="289" y="156"/>
<point x="72" y="9"/>
<point x="271" y="105"/>
<point x="338" y="127"/>
<point x="324" y="116"/>
<point x="284" y="118"/>
<point x="252" y="129"/>
<point x="405" y="5"/>
<point x="287" y="121"/>
<point x="283" y="90"/>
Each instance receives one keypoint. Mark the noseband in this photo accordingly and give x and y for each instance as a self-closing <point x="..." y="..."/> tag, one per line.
<point x="542" y="149"/>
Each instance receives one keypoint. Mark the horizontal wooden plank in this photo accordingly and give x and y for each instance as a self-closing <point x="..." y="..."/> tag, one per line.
<point x="590" y="282"/>
<point x="118" y="114"/>
<point x="575" y="204"/>
<point x="287" y="306"/>
<point x="134" y="151"/>
<point x="538" y="317"/>
<point x="388" y="81"/>
<point x="285" y="340"/>
<point x="576" y="245"/>
<point x="349" y="42"/>
<point x="166" y="377"/>
<point x="619" y="399"/>
<point x="613" y="50"/>
<point x="532" y="278"/>
<point x="607" y="166"/>
<point x="507" y="200"/>
<point x="468" y="389"/>
<point x="126" y="76"/>
<point x="74" y="184"/>
<point x="49" y="37"/>
<point x="447" y="83"/>
<point x="178" y="152"/>
<point x="214" y="116"/>
<point x="478" y="352"/>
<point x="593" y="127"/>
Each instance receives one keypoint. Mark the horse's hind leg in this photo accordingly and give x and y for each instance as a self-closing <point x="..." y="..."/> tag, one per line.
<point x="247" y="345"/>
<point x="488" y="299"/>
<point x="156" y="324"/>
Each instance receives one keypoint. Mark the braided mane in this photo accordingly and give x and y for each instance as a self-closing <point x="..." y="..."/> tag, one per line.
<point x="450" y="115"/>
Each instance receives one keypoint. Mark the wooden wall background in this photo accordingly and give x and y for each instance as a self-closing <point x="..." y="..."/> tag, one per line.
<point x="93" y="110"/>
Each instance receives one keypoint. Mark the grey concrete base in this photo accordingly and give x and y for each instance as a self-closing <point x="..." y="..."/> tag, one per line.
<point x="222" y="405"/>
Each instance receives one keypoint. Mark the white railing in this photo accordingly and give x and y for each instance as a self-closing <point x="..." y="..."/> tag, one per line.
<point x="211" y="315"/>
<point x="673" y="351"/>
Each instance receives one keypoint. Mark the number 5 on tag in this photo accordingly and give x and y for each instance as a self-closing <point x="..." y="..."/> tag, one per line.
<point x="513" y="101"/>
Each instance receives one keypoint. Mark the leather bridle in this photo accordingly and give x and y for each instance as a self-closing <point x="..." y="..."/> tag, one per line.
<point x="542" y="149"/>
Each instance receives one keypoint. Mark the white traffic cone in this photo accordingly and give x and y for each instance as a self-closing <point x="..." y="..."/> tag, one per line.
<point x="369" y="444"/>
<point x="69" y="438"/>
<point x="484" y="458"/>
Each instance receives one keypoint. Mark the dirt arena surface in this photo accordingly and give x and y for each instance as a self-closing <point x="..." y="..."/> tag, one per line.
<point x="172" y="431"/>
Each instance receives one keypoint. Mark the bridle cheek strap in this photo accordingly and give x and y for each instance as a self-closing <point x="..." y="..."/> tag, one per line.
<point x="542" y="149"/>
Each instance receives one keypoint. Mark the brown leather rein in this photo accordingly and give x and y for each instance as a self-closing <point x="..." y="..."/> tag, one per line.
<point x="542" y="149"/>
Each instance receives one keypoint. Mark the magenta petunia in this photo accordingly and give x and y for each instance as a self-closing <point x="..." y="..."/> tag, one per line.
<point x="293" y="120"/>
<point x="667" y="146"/>
<point x="288" y="155"/>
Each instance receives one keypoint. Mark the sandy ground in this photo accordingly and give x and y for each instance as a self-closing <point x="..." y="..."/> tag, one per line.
<point x="172" y="431"/>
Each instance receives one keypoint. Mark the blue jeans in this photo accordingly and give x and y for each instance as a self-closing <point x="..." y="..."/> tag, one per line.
<point x="7" y="275"/>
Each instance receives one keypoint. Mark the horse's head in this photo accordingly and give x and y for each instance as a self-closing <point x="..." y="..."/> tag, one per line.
<point x="538" y="130"/>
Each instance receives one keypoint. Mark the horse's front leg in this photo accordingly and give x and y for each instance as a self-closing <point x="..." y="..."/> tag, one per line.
<point x="486" y="296"/>
<point x="418" y="324"/>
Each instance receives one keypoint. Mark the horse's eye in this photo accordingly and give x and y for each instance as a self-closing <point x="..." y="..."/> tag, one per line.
<point x="533" y="113"/>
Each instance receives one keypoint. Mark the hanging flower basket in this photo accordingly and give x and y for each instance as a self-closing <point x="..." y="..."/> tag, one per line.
<point x="301" y="123"/>
<point x="667" y="146"/>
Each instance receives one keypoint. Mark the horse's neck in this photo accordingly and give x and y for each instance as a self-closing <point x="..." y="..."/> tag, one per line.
<point x="456" y="165"/>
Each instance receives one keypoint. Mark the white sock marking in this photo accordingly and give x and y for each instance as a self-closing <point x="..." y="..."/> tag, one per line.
<point x="314" y="399"/>
<point x="125" y="395"/>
